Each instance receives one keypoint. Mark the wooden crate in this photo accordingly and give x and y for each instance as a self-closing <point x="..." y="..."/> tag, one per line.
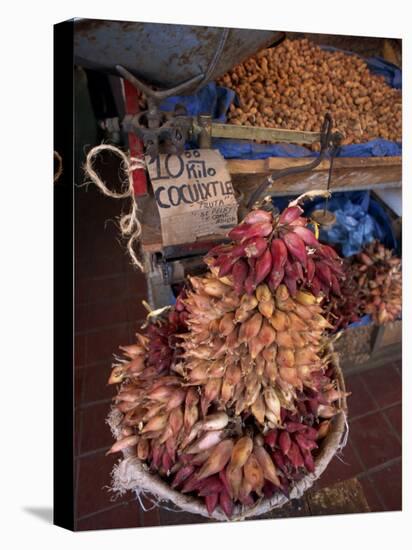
<point x="369" y="346"/>
<point x="349" y="174"/>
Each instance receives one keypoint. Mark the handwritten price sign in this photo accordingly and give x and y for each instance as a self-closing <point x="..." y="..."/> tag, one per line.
<point x="194" y="195"/>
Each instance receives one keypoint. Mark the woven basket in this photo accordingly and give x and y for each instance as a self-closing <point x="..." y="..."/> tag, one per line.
<point x="132" y="474"/>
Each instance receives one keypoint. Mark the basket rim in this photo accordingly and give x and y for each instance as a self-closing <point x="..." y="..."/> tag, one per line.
<point x="132" y="474"/>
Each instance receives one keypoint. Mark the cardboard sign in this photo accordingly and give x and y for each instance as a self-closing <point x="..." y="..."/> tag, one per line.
<point x="194" y="195"/>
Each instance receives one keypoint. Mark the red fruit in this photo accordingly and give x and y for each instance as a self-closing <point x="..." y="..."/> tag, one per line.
<point x="239" y="274"/>
<point x="166" y="461"/>
<point x="294" y="427"/>
<point x="308" y="460"/>
<point x="284" y="442"/>
<point x="291" y="284"/>
<point x="182" y="475"/>
<point x="226" y="503"/>
<point x="237" y="251"/>
<point x="335" y="285"/>
<point x="247" y="500"/>
<point x="296" y="247"/>
<point x="245" y="231"/>
<point x="173" y="317"/>
<point x="219" y="249"/>
<point x="323" y="273"/>
<point x="335" y="266"/>
<point x="156" y="457"/>
<point x="310" y="269"/>
<point x="219" y="260"/>
<point x="304" y="444"/>
<point x="249" y="282"/>
<point x="328" y="252"/>
<point x="223" y="479"/>
<point x="302" y="408"/>
<point x="183" y="317"/>
<point x="300" y="222"/>
<point x="269" y="489"/>
<point x="262" y="267"/>
<point x="239" y="232"/>
<point x="171" y="449"/>
<point x="191" y="484"/>
<point x="253" y="248"/>
<point x="279" y="460"/>
<point x="315" y="286"/>
<point x="275" y="278"/>
<point x="258" y="216"/>
<point x="226" y="266"/>
<point x="295" y="456"/>
<point x="210" y="486"/>
<point x="270" y="438"/>
<point x="279" y="254"/>
<point x="290" y="214"/>
<point x="312" y="405"/>
<point x="211" y="502"/>
<point x="307" y="236"/>
<point x="310" y="433"/>
<point x="299" y="271"/>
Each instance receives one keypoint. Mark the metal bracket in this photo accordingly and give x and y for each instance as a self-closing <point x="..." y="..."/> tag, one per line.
<point x="327" y="140"/>
<point x="155" y="127"/>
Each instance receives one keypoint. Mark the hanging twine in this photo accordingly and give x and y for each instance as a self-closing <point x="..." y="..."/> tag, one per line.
<point x="59" y="170"/>
<point x="129" y="224"/>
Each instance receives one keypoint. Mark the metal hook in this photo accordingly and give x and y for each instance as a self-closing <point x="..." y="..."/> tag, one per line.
<point x="158" y="95"/>
<point x="326" y="139"/>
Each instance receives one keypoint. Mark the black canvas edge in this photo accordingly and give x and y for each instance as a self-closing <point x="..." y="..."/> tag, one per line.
<point x="63" y="225"/>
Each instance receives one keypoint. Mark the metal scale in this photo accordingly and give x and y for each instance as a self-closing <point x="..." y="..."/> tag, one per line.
<point x="179" y="60"/>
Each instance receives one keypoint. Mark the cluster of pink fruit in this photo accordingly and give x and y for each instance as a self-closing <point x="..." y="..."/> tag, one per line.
<point x="229" y="397"/>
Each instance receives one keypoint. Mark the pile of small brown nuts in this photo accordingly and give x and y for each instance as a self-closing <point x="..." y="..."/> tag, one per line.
<point x="293" y="85"/>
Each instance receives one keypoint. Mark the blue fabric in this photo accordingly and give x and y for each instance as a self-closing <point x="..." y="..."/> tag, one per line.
<point x="359" y="220"/>
<point x="216" y="100"/>
<point x="373" y="148"/>
<point x="377" y="65"/>
<point x="243" y="149"/>
<point x="391" y="73"/>
<point x="363" y="321"/>
<point x="211" y="99"/>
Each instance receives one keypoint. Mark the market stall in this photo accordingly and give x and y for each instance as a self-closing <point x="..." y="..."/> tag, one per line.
<point x="265" y="251"/>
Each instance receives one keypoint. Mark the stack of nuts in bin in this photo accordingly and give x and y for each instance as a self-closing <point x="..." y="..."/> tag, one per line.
<point x="228" y="396"/>
<point x="293" y="85"/>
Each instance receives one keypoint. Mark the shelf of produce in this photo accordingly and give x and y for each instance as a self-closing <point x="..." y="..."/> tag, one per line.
<point x="349" y="174"/>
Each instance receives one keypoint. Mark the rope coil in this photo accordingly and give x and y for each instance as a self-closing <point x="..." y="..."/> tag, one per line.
<point x="59" y="170"/>
<point x="129" y="224"/>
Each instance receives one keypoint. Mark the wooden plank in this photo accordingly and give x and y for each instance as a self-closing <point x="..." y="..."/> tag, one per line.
<point x="263" y="166"/>
<point x="342" y="180"/>
<point x="152" y="242"/>
<point x="348" y="174"/>
<point x="256" y="133"/>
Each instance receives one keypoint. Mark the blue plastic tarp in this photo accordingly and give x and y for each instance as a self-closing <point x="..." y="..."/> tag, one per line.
<point x="377" y="65"/>
<point x="211" y="99"/>
<point x="359" y="220"/>
<point x="215" y="100"/>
